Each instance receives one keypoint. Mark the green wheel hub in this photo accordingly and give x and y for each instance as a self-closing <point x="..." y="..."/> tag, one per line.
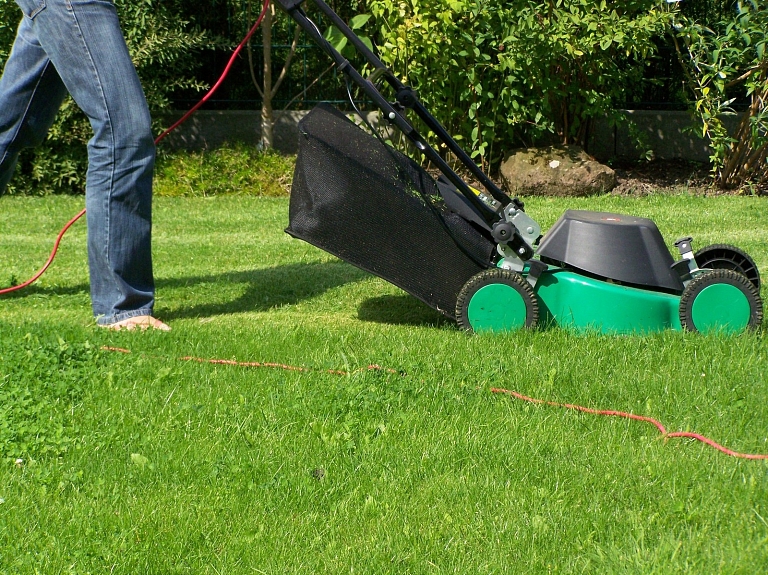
<point x="720" y="306"/>
<point x="720" y="300"/>
<point x="497" y="300"/>
<point x="497" y="307"/>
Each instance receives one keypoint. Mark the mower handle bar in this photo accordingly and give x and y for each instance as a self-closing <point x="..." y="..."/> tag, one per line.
<point x="410" y="100"/>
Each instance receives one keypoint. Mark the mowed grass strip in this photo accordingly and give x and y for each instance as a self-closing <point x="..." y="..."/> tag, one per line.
<point x="144" y="462"/>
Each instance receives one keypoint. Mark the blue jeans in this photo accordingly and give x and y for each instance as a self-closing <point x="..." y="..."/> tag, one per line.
<point x="76" y="46"/>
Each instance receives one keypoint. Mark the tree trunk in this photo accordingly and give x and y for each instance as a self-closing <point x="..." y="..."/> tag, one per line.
<point x="268" y="90"/>
<point x="267" y="121"/>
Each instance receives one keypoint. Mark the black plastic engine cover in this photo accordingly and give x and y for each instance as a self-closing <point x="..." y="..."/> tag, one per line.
<point x="623" y="248"/>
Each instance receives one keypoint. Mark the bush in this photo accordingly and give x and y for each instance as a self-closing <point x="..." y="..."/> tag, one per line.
<point x="727" y="64"/>
<point x="230" y="170"/>
<point x="504" y="73"/>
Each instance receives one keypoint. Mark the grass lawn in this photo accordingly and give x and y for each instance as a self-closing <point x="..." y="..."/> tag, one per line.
<point x="145" y="463"/>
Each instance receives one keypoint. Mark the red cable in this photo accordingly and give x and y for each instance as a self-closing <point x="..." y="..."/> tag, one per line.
<point x="50" y="258"/>
<point x="372" y="367"/>
<point x="215" y="87"/>
<point x="183" y="119"/>
<point x="286" y="367"/>
<point x="654" y="422"/>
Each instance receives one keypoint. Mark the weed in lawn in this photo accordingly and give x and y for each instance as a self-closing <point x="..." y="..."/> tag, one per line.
<point x="43" y="378"/>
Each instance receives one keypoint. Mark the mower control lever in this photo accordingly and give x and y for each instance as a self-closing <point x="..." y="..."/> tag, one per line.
<point x="687" y="266"/>
<point x="506" y="233"/>
<point x="685" y="248"/>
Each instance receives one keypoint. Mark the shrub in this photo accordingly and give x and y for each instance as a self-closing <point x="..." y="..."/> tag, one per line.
<point x="725" y="65"/>
<point x="229" y="170"/>
<point x="502" y="73"/>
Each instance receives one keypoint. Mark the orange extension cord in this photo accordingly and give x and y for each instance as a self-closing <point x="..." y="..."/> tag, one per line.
<point x="181" y="120"/>
<point x="513" y="394"/>
<point x="611" y="413"/>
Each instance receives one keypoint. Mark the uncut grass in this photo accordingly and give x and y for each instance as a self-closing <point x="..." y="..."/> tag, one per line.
<point x="186" y="467"/>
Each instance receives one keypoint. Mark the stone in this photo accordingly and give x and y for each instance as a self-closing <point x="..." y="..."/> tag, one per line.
<point x="555" y="171"/>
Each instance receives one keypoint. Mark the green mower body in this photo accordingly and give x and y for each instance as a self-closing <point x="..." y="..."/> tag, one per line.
<point x="577" y="302"/>
<point x="583" y="304"/>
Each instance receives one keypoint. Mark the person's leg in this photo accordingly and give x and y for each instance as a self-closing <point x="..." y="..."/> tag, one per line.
<point x="85" y="44"/>
<point x="31" y="93"/>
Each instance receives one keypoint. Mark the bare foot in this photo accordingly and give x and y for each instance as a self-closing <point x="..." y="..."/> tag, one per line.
<point x="141" y="322"/>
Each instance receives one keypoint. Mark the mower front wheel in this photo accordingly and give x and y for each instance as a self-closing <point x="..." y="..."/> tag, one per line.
<point x="720" y="300"/>
<point x="497" y="300"/>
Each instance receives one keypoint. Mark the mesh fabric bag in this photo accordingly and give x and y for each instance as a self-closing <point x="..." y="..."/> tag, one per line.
<point x="364" y="202"/>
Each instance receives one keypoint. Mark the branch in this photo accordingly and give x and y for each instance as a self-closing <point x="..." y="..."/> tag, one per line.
<point x="250" y="58"/>
<point x="691" y="82"/>
<point x="747" y="74"/>
<point x="315" y="81"/>
<point x="288" y="60"/>
<point x="253" y="72"/>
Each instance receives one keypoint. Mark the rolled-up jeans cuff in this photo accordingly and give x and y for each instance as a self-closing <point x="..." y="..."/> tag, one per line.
<point x="109" y="320"/>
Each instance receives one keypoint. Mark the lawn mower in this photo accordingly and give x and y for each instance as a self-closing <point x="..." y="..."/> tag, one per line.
<point x="475" y="255"/>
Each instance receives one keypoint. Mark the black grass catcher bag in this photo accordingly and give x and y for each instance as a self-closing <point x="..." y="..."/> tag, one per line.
<point x="373" y="207"/>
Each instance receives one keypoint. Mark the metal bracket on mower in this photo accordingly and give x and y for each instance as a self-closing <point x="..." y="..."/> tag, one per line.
<point x="516" y="235"/>
<point x="686" y="267"/>
<point x="525" y="224"/>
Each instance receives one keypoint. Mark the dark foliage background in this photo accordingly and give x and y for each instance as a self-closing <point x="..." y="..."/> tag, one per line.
<point x="180" y="48"/>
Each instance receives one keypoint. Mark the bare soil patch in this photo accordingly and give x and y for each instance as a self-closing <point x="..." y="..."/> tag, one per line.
<point x="663" y="176"/>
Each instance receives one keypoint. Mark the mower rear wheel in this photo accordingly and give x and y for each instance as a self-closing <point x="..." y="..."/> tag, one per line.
<point x="497" y="300"/>
<point x="721" y="300"/>
<point x="727" y="257"/>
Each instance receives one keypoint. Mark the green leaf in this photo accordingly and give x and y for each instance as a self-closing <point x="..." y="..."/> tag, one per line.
<point x="367" y="41"/>
<point x="359" y="21"/>
<point x="335" y="38"/>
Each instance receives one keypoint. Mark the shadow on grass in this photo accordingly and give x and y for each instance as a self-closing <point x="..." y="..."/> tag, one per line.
<point x="275" y="287"/>
<point x="267" y="288"/>
<point x="35" y="289"/>
<point x="401" y="310"/>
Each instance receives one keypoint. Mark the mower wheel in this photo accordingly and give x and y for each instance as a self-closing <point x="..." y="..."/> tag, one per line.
<point x="497" y="300"/>
<point x="727" y="257"/>
<point x="720" y="300"/>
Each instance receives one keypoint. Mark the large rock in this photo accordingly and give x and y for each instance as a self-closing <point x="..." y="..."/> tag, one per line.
<point x="555" y="171"/>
